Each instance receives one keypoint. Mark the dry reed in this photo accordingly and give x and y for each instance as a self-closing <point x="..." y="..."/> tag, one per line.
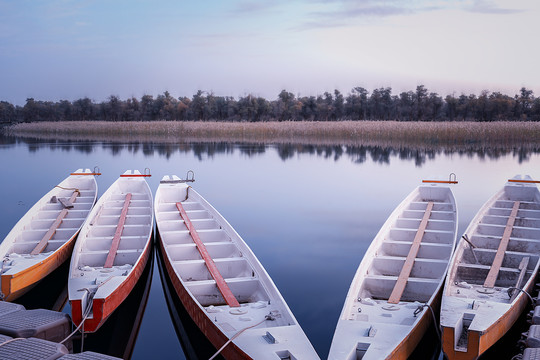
<point x="443" y="134"/>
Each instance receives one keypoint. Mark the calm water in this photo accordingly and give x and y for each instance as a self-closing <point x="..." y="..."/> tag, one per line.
<point x="308" y="212"/>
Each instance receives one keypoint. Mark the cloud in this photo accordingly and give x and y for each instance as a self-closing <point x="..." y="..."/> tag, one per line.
<point x="490" y="7"/>
<point x="343" y="12"/>
<point x="247" y="7"/>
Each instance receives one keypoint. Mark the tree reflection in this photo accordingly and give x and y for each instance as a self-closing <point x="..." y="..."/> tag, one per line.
<point x="379" y="153"/>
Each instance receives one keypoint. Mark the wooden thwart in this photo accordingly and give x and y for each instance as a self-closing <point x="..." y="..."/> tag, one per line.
<point x="440" y="181"/>
<point x="499" y="256"/>
<point x="397" y="292"/>
<point x="524" y="181"/>
<point x="55" y="225"/>
<point x="118" y="233"/>
<point x="212" y="268"/>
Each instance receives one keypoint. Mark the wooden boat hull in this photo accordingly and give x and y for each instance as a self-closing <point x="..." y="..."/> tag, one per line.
<point x="220" y="282"/>
<point x="46" y="226"/>
<point x="18" y="284"/>
<point x="385" y="314"/>
<point x="112" y="251"/>
<point x="477" y="305"/>
<point x="209" y="329"/>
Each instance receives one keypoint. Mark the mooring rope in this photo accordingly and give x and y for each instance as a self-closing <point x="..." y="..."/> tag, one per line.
<point x="86" y="314"/>
<point x="420" y="308"/>
<point x="267" y="317"/>
<point x="11" y="340"/>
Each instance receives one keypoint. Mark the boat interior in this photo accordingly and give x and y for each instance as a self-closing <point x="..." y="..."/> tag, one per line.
<point x="135" y="233"/>
<point x="45" y="218"/>
<point x="516" y="237"/>
<point x="237" y="271"/>
<point x="431" y="260"/>
<point x="191" y="267"/>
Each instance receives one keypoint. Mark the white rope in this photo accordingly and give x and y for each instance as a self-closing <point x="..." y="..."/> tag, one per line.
<point x="420" y="308"/>
<point x="86" y="314"/>
<point x="10" y="340"/>
<point x="267" y="317"/>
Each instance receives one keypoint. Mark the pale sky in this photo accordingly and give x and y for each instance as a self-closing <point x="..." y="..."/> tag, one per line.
<point x="67" y="49"/>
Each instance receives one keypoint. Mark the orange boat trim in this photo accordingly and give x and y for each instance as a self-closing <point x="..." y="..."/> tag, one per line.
<point x="524" y="181"/>
<point x="85" y="173"/>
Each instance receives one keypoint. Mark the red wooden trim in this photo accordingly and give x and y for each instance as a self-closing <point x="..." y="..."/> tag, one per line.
<point x="524" y="181"/>
<point x="409" y="262"/>
<point x="85" y="173"/>
<point x="55" y="225"/>
<point x="119" y="228"/>
<point x="136" y="175"/>
<point x="440" y="181"/>
<point x="212" y="268"/>
<point x="499" y="256"/>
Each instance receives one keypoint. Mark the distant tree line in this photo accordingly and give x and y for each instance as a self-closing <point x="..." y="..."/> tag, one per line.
<point x="359" y="104"/>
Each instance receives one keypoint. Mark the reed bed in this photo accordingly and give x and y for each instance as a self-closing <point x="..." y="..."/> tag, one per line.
<point x="434" y="134"/>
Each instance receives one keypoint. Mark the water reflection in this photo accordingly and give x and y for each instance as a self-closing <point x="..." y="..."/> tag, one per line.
<point x="356" y="153"/>
<point x="51" y="293"/>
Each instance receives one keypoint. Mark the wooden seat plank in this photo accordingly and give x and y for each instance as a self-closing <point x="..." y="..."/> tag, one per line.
<point x="212" y="268"/>
<point x="499" y="256"/>
<point x="397" y="292"/>
<point x="118" y="233"/>
<point x="55" y="225"/>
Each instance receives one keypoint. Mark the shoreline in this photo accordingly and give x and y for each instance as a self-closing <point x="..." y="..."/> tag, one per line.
<point x="424" y="134"/>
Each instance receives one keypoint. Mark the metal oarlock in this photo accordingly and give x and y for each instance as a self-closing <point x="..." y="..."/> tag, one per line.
<point x="188" y="179"/>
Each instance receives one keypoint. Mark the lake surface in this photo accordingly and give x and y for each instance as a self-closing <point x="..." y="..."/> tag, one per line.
<point x="308" y="212"/>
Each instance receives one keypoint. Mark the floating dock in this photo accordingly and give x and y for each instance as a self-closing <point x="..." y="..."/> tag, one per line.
<point x="37" y="334"/>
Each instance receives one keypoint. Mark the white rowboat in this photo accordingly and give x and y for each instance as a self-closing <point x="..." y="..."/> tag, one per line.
<point x="221" y="283"/>
<point x="44" y="237"/>
<point x="111" y="251"/>
<point x="384" y="316"/>
<point x="480" y="301"/>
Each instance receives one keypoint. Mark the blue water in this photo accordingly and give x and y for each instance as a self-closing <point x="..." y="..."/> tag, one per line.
<point x="307" y="212"/>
